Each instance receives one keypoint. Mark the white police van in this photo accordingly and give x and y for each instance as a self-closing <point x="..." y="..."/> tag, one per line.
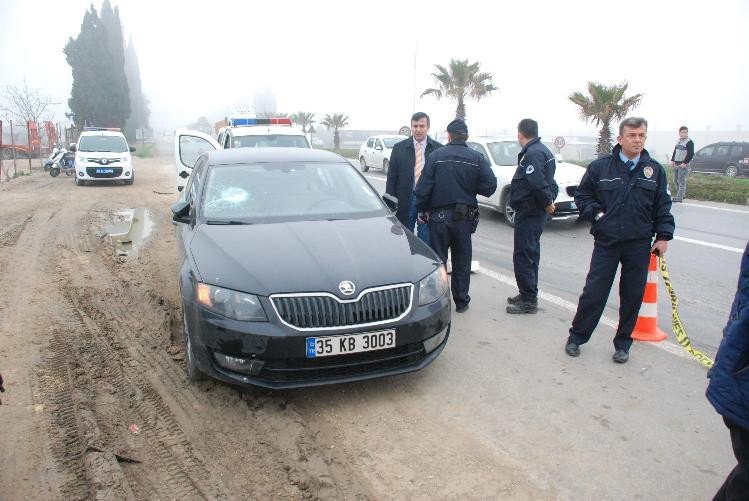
<point x="244" y="131"/>
<point x="103" y="155"/>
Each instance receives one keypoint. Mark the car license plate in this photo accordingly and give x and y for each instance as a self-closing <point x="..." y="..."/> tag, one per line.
<point x="349" y="343"/>
<point x="573" y="205"/>
<point x="105" y="171"/>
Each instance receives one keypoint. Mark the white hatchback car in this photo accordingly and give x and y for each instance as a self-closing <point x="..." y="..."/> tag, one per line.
<point x="375" y="153"/>
<point x="502" y="153"/>
<point x="103" y="155"/>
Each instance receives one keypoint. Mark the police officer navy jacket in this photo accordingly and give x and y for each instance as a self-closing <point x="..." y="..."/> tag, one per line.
<point x="533" y="187"/>
<point x="454" y="174"/>
<point x="635" y="204"/>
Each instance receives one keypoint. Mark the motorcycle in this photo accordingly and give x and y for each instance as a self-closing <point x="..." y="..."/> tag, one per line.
<point x="57" y="153"/>
<point x="65" y="163"/>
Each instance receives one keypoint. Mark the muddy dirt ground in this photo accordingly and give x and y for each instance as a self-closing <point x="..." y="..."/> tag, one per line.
<point x="98" y="405"/>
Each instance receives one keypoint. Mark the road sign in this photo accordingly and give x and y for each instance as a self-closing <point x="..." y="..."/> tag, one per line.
<point x="405" y="130"/>
<point x="559" y="142"/>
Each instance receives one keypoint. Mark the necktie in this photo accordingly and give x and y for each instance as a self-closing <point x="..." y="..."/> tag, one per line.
<point x="630" y="164"/>
<point x="419" y="164"/>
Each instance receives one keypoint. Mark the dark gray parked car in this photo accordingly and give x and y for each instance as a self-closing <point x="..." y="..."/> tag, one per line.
<point x="729" y="158"/>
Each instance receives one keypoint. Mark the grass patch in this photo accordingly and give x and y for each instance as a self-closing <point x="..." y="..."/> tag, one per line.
<point x="713" y="188"/>
<point x="144" y="151"/>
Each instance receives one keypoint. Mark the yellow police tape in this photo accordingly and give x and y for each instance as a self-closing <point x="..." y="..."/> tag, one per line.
<point x="678" y="328"/>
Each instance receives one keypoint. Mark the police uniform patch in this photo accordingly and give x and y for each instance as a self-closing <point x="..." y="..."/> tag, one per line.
<point x="529" y="169"/>
<point x="648" y="171"/>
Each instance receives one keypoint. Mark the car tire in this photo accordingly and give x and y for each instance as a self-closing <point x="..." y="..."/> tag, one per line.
<point x="131" y="180"/>
<point x="732" y="171"/>
<point x="364" y="167"/>
<point x="79" y="181"/>
<point x="191" y="367"/>
<point x="509" y="212"/>
<point x="385" y="165"/>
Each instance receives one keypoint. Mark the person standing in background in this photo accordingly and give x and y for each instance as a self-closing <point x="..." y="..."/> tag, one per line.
<point x="680" y="158"/>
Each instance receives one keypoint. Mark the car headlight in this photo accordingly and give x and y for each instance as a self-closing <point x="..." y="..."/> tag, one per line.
<point x="229" y="303"/>
<point x="433" y="287"/>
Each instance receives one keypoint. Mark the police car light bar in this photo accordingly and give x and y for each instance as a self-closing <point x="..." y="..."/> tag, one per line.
<point x="260" y="121"/>
<point x="113" y="129"/>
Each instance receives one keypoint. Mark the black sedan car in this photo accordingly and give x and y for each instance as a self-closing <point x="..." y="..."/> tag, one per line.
<point x="294" y="272"/>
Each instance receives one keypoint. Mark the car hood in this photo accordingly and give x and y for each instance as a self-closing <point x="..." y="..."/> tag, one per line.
<point x="310" y="256"/>
<point x="567" y="173"/>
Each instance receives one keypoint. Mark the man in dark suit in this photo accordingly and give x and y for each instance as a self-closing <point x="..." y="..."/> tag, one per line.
<point x="407" y="160"/>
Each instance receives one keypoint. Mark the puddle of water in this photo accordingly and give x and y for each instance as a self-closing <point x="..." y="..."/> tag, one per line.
<point x="130" y="230"/>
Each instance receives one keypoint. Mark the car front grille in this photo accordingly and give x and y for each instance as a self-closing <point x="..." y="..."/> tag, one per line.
<point x="325" y="311"/>
<point x="116" y="172"/>
<point x="103" y="161"/>
<point x="341" y="366"/>
<point x="571" y="190"/>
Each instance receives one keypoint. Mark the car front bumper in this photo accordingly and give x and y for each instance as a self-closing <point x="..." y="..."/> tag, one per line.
<point x="273" y="355"/>
<point x="94" y="173"/>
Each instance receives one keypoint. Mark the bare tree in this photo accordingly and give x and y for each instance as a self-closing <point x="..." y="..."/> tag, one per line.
<point x="25" y="103"/>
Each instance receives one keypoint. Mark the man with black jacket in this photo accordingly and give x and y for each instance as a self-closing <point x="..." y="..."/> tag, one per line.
<point x="626" y="196"/>
<point x="407" y="161"/>
<point x="446" y="199"/>
<point x="532" y="194"/>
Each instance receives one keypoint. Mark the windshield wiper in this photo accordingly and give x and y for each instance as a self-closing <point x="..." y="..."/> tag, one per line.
<point x="226" y="222"/>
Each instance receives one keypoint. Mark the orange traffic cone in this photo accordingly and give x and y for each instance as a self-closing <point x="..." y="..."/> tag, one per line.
<point x="646" y="328"/>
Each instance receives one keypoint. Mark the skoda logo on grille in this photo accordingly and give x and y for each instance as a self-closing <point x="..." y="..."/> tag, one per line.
<point x="104" y="161"/>
<point x="346" y="287"/>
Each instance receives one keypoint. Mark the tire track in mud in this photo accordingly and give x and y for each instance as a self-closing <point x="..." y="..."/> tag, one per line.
<point x="10" y="236"/>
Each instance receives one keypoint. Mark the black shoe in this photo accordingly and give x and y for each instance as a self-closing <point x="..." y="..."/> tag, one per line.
<point x="572" y="349"/>
<point x="514" y="299"/>
<point x="461" y="309"/>
<point x="522" y="307"/>
<point x="621" y="356"/>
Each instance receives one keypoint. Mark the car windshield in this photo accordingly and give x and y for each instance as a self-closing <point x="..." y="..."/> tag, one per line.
<point x="505" y="152"/>
<point x="110" y="144"/>
<point x="390" y="141"/>
<point x="288" y="191"/>
<point x="270" y="141"/>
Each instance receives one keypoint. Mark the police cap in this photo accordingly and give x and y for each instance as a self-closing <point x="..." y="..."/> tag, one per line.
<point x="457" y="126"/>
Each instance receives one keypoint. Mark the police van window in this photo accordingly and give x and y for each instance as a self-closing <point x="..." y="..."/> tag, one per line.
<point x="505" y="152"/>
<point x="370" y="142"/>
<point x="479" y="148"/>
<point x="706" y="152"/>
<point x="227" y="141"/>
<point x="722" y="151"/>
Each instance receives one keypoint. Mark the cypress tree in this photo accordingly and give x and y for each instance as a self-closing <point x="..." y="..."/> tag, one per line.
<point x="138" y="102"/>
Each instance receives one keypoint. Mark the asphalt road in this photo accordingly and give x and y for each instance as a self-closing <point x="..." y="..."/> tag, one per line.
<point x="703" y="261"/>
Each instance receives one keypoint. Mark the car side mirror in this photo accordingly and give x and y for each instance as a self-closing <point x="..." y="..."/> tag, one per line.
<point x="181" y="212"/>
<point x="390" y="201"/>
<point x="132" y="149"/>
<point x="184" y="174"/>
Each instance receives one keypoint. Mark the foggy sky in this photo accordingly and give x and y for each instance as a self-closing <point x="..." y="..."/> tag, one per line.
<point x="372" y="60"/>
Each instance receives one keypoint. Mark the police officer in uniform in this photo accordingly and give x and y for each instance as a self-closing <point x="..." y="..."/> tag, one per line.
<point x="446" y="198"/>
<point x="626" y="196"/>
<point x="532" y="194"/>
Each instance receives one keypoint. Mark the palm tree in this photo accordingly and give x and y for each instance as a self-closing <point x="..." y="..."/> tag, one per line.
<point x="335" y="122"/>
<point x="304" y="119"/>
<point x="460" y="81"/>
<point x="605" y="104"/>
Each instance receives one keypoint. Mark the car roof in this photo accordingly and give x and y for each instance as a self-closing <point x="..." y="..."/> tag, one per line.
<point x="253" y="155"/>
<point x="101" y="133"/>
<point x="388" y="136"/>
<point x="264" y="130"/>
<point x="491" y="139"/>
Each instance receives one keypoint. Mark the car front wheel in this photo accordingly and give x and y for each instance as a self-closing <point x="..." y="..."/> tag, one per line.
<point x="732" y="171"/>
<point x="363" y="163"/>
<point x="509" y="212"/>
